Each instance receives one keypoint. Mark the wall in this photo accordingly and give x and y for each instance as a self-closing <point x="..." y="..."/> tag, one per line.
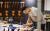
<point x="47" y="5"/>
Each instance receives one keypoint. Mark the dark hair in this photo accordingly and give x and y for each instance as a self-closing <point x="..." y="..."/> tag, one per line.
<point x="24" y="8"/>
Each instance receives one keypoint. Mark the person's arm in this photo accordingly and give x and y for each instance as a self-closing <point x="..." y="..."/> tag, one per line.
<point x="29" y="21"/>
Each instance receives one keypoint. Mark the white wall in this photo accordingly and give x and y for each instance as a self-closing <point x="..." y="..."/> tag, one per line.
<point x="30" y="3"/>
<point x="47" y="5"/>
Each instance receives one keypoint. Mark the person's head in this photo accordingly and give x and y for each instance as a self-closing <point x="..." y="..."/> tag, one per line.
<point x="26" y="10"/>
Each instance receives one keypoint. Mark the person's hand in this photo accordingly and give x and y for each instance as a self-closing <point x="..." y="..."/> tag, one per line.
<point x="28" y="24"/>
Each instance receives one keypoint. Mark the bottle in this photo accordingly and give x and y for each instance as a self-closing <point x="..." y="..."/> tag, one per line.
<point x="6" y="29"/>
<point x="10" y="29"/>
<point x="16" y="29"/>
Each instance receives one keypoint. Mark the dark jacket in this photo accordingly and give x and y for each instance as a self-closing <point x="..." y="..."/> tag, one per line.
<point x="22" y="19"/>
